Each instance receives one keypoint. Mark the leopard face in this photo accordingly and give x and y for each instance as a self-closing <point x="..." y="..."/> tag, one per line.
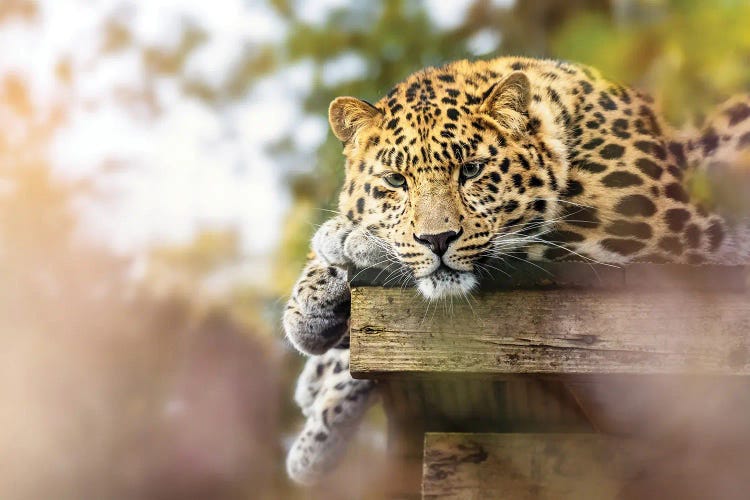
<point x="441" y="168"/>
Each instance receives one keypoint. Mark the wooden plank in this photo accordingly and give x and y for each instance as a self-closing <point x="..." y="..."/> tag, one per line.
<point x="530" y="466"/>
<point x="570" y="331"/>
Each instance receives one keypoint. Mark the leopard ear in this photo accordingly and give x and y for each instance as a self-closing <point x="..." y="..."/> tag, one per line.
<point x="349" y="115"/>
<point x="508" y="102"/>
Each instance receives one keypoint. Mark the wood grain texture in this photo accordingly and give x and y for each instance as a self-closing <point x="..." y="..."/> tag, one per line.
<point x="531" y="466"/>
<point x="569" y="331"/>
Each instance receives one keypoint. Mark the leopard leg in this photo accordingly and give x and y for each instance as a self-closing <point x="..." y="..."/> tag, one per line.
<point x="316" y="316"/>
<point x="316" y="319"/>
<point x="311" y="378"/>
<point x="334" y="414"/>
<point x="309" y="383"/>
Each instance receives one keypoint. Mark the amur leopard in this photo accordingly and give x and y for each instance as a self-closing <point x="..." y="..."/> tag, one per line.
<point x="506" y="158"/>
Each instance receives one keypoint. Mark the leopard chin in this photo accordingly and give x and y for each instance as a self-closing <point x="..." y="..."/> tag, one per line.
<point x="445" y="282"/>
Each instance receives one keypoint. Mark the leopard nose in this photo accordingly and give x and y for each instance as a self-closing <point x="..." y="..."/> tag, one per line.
<point x="438" y="243"/>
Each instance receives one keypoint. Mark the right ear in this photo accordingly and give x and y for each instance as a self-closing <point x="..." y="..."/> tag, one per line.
<point x="508" y="102"/>
<point x="349" y="115"/>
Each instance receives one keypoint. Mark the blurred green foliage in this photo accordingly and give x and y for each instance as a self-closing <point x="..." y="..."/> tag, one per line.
<point x="688" y="53"/>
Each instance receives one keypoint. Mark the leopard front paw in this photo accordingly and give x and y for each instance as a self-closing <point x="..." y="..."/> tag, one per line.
<point x="317" y="314"/>
<point x="338" y="242"/>
<point x="364" y="250"/>
<point x="328" y="240"/>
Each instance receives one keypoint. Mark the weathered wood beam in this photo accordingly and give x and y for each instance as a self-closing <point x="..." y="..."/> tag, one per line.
<point x="531" y="466"/>
<point x="580" y="320"/>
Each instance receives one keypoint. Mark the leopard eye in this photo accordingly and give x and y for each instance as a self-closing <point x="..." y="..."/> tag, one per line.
<point x="471" y="169"/>
<point x="395" y="180"/>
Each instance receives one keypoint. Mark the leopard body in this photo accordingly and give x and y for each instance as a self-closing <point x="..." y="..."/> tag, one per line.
<point x="511" y="158"/>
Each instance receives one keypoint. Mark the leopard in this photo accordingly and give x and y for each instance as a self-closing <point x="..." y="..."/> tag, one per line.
<point x="509" y="158"/>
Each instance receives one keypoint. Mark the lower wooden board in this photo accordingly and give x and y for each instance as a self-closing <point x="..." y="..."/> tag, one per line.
<point x="568" y="331"/>
<point x="578" y="466"/>
<point x="531" y="466"/>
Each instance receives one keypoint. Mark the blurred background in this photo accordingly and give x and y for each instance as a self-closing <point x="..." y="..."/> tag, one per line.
<point x="163" y="164"/>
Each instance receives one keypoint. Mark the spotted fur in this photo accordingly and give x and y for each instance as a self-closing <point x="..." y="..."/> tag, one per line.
<point x="517" y="158"/>
<point x="334" y="404"/>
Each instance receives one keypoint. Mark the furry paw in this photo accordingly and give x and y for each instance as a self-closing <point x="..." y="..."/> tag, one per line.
<point x="334" y="404"/>
<point x="328" y="240"/>
<point x="317" y="314"/>
<point x="338" y="242"/>
<point x="362" y="249"/>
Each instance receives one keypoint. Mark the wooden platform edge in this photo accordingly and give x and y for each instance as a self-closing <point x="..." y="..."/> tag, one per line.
<point x="396" y="332"/>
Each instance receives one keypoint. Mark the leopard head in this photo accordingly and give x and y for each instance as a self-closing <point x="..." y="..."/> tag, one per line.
<point x="448" y="169"/>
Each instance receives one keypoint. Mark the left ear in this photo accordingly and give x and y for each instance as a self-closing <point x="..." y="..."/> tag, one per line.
<point x="349" y="115"/>
<point x="508" y="102"/>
